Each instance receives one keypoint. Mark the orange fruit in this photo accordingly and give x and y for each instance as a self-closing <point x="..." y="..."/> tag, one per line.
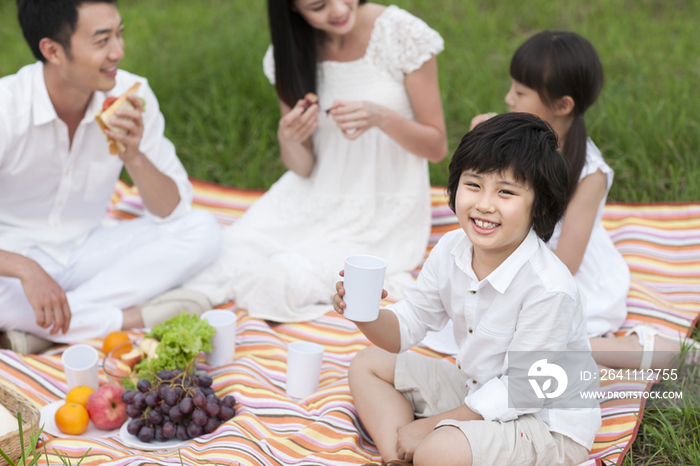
<point x="115" y="339"/>
<point x="79" y="395"/>
<point x="72" y="419"/>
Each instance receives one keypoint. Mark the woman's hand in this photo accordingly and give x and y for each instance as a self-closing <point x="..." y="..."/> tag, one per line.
<point x="354" y="118"/>
<point x="299" y="123"/>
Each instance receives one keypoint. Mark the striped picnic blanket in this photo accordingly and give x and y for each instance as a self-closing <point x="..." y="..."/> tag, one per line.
<point x="660" y="242"/>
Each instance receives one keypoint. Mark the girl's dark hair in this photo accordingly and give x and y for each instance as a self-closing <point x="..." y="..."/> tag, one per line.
<point x="557" y="64"/>
<point x="295" y="45"/>
<point x="526" y="146"/>
<point x="55" y="19"/>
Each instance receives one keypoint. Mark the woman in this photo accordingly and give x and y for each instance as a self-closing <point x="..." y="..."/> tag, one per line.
<point x="358" y="176"/>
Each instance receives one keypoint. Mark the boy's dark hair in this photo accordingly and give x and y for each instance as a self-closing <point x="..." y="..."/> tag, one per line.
<point x="526" y="146"/>
<point x="556" y="64"/>
<point x="294" y="42"/>
<point x="55" y="19"/>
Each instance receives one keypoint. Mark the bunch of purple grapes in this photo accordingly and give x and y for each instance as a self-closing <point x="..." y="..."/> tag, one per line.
<point x="175" y="405"/>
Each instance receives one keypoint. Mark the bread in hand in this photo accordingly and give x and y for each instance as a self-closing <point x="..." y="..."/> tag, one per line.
<point x="103" y="117"/>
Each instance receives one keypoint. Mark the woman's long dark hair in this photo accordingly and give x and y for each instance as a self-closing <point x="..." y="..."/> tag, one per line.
<point x="557" y="64"/>
<point x="295" y="44"/>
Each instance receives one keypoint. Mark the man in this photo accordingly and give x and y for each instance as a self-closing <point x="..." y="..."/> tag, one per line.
<point x="64" y="277"/>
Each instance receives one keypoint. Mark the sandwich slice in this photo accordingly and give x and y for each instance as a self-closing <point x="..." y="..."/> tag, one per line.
<point x="109" y="108"/>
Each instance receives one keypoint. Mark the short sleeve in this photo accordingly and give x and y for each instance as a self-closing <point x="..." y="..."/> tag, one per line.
<point x="402" y="43"/>
<point x="269" y="65"/>
<point x="595" y="162"/>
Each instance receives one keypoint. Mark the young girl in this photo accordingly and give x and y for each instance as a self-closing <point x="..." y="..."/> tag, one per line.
<point x="358" y="175"/>
<point x="558" y="76"/>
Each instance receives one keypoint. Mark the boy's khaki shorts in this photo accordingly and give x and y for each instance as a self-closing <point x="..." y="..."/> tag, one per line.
<point x="434" y="386"/>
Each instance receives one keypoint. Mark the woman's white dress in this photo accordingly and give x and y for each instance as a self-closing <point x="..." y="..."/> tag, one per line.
<point x="281" y="260"/>
<point x="603" y="277"/>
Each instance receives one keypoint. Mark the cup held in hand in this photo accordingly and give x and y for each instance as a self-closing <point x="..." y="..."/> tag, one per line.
<point x="363" y="283"/>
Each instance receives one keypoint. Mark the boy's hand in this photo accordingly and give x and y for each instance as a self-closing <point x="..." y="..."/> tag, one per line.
<point x="338" y="302"/>
<point x="411" y="435"/>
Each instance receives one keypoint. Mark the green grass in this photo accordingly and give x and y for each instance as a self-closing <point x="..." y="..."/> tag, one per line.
<point x="203" y="60"/>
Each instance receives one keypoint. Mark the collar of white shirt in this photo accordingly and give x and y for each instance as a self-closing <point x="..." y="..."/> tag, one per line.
<point x="43" y="110"/>
<point x="502" y="277"/>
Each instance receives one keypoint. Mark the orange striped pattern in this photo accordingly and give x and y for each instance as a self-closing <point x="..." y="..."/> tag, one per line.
<point x="660" y="242"/>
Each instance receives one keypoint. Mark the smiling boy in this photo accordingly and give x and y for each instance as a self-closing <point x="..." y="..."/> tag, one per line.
<point x="63" y="277"/>
<point x="505" y="291"/>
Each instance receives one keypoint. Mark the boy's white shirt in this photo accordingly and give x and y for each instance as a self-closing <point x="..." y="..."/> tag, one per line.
<point x="53" y="193"/>
<point x="529" y="303"/>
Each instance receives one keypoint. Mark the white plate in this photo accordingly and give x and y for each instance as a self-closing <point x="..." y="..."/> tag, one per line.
<point x="133" y="441"/>
<point x="48" y="421"/>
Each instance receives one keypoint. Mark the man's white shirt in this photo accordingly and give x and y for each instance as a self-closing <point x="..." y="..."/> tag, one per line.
<point x="54" y="193"/>
<point x="529" y="303"/>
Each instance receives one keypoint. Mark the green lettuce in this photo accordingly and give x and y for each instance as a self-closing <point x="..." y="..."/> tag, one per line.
<point x="181" y="338"/>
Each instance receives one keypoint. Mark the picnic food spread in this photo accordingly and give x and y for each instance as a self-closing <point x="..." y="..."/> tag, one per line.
<point x="174" y="344"/>
<point x="109" y="110"/>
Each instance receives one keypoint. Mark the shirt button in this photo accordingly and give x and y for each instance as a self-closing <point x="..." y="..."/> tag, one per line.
<point x="472" y="291"/>
<point x="59" y="203"/>
<point x="459" y="366"/>
<point x="474" y="382"/>
<point x="67" y="172"/>
<point x="471" y="330"/>
<point x="62" y="141"/>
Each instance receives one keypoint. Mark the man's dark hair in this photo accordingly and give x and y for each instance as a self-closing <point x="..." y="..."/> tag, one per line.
<point x="526" y="146"/>
<point x="55" y="19"/>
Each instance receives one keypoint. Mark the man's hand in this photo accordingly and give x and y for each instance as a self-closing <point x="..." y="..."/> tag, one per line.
<point x="411" y="435"/>
<point x="132" y="122"/>
<point x="47" y="299"/>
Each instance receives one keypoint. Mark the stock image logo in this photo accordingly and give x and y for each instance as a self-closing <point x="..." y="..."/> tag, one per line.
<point x="554" y="372"/>
<point x="550" y="379"/>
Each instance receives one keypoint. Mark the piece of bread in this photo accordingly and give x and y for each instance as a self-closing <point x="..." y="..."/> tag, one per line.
<point x="103" y="118"/>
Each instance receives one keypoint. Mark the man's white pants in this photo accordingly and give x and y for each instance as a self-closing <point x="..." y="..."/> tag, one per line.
<point x="116" y="268"/>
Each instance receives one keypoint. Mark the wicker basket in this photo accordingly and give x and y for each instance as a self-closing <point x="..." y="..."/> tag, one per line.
<point x="16" y="402"/>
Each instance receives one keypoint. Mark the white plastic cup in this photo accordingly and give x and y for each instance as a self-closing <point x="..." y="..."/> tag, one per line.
<point x="303" y="368"/>
<point x="223" y="343"/>
<point x="80" y="366"/>
<point x="363" y="282"/>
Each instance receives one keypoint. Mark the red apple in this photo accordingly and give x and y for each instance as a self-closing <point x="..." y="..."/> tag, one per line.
<point x="106" y="408"/>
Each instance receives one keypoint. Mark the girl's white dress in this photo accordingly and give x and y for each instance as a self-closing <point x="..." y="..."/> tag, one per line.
<point x="281" y="260"/>
<point x="603" y="277"/>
